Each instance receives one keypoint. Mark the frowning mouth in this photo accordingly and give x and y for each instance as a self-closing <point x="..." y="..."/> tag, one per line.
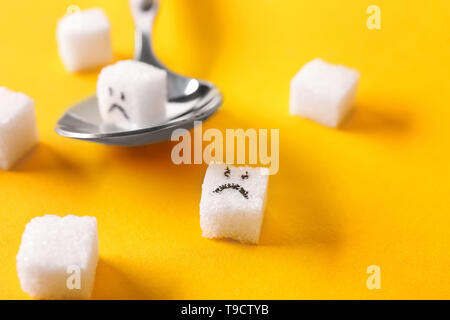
<point x="233" y="186"/>
<point x="121" y="109"/>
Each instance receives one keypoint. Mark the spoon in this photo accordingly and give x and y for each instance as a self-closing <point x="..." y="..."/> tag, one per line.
<point x="188" y="100"/>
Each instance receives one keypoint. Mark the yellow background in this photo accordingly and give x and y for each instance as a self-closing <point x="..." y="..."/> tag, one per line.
<point x="375" y="191"/>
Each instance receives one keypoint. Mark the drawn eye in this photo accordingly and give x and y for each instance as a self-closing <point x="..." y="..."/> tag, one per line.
<point x="122" y="96"/>
<point x="244" y="176"/>
<point x="111" y="92"/>
<point x="227" y="172"/>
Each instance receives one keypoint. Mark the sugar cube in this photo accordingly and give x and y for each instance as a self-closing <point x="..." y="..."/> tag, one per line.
<point x="233" y="202"/>
<point x="58" y="257"/>
<point x="18" y="129"/>
<point x="84" y="39"/>
<point x="132" y="94"/>
<point x="323" y="92"/>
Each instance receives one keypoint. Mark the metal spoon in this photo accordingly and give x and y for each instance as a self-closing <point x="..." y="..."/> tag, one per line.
<point x="188" y="99"/>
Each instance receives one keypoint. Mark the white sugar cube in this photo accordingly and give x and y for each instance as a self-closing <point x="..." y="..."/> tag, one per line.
<point x="132" y="94"/>
<point x="233" y="202"/>
<point x="58" y="257"/>
<point x="323" y="92"/>
<point x="18" y="129"/>
<point x="84" y="39"/>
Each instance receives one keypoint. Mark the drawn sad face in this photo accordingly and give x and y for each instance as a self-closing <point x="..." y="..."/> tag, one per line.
<point x="118" y="103"/>
<point x="233" y="186"/>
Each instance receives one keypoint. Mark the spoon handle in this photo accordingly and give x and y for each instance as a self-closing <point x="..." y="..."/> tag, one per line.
<point x="144" y="13"/>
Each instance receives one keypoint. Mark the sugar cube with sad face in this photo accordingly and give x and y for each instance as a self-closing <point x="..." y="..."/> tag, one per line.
<point x="132" y="95"/>
<point x="233" y="202"/>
